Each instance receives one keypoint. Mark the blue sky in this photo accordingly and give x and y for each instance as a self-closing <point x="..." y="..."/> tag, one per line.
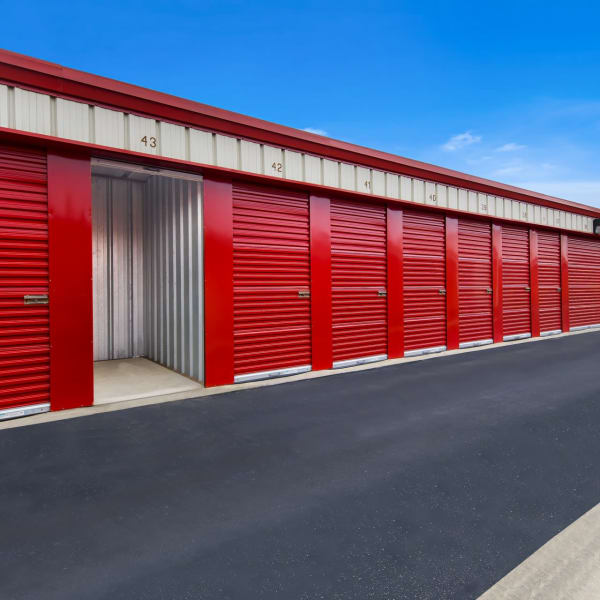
<point x="506" y="90"/>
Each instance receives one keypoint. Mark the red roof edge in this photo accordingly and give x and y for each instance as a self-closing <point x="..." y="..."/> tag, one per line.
<point x="55" y="79"/>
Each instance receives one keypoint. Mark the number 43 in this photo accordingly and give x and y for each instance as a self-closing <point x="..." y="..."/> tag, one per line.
<point x="149" y="141"/>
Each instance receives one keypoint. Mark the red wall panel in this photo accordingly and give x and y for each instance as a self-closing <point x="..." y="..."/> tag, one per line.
<point x="271" y="280"/>
<point x="24" y="329"/>
<point x="71" y="303"/>
<point x="424" y="236"/>
<point x="359" y="274"/>
<point x="452" y="295"/>
<point x="584" y="281"/>
<point x="516" y="284"/>
<point x="548" y="244"/>
<point x="218" y="282"/>
<point x="474" y="281"/>
<point x="395" y="269"/>
<point x="320" y="272"/>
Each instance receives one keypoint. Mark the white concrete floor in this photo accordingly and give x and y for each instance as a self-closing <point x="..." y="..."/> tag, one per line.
<point x="132" y="378"/>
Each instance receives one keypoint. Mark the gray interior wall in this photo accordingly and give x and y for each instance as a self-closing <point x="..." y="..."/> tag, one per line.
<point x="117" y="268"/>
<point x="173" y="274"/>
<point x="148" y="277"/>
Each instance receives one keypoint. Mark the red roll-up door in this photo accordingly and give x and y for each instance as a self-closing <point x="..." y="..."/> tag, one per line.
<point x="584" y="281"/>
<point x="359" y="278"/>
<point x="424" y="261"/>
<point x="549" y="281"/>
<point x="24" y="328"/>
<point x="271" y="281"/>
<point x="474" y="281"/>
<point x="516" y="289"/>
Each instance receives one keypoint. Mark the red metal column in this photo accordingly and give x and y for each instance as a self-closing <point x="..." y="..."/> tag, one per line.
<point x="218" y="283"/>
<point x="395" y="287"/>
<point x="70" y="266"/>
<point x="452" y="309"/>
<point x="320" y="284"/>
<point x="534" y="282"/>
<point x="564" y="281"/>
<point x="497" y="282"/>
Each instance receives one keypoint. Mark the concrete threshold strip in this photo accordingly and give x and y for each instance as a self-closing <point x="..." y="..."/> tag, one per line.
<point x="203" y="392"/>
<point x="565" y="568"/>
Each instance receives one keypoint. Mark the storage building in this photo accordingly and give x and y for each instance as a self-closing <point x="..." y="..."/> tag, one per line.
<point x="228" y="249"/>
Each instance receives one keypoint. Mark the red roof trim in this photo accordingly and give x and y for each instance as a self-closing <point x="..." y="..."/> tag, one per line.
<point x="62" y="81"/>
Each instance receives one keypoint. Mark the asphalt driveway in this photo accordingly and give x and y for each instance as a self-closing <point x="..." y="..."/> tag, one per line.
<point x="424" y="480"/>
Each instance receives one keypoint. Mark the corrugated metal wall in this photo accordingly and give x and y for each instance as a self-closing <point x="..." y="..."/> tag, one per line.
<point x="147" y="253"/>
<point x="118" y="260"/>
<point x="24" y="329"/>
<point x="584" y="281"/>
<point x="173" y="274"/>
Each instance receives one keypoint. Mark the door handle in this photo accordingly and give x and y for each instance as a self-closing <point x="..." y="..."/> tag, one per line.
<point x="303" y="294"/>
<point x="559" y="289"/>
<point x="488" y="290"/>
<point x="382" y="293"/>
<point x="527" y="288"/>
<point x="35" y="299"/>
<point x="442" y="292"/>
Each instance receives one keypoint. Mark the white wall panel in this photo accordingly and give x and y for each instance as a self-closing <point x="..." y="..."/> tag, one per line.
<point x="430" y="193"/>
<point x="143" y="135"/>
<point x="72" y="120"/>
<point x="172" y="141"/>
<point x="39" y="113"/>
<point x="293" y="165"/>
<point x="250" y="157"/>
<point x="202" y="147"/>
<point x="109" y="128"/>
<point x="226" y="152"/>
<point x="32" y="112"/>
<point x="312" y="169"/>
<point x="3" y="106"/>
<point x="273" y="161"/>
<point x="331" y="173"/>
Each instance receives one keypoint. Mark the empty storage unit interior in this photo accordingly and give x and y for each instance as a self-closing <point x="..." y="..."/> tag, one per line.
<point x="152" y="245"/>
<point x="147" y="281"/>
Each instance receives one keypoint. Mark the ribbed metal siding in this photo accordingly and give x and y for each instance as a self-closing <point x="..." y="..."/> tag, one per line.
<point x="474" y="281"/>
<point x="118" y="258"/>
<point x="584" y="281"/>
<point x="424" y="279"/>
<point x="549" y="281"/>
<point x="24" y="330"/>
<point x="271" y="264"/>
<point x="358" y="272"/>
<point x="173" y="279"/>
<point x="516" y="290"/>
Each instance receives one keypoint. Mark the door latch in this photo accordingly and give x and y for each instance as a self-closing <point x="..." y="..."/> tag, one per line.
<point x="382" y="293"/>
<point x="527" y="288"/>
<point x="303" y="294"/>
<point x="442" y="292"/>
<point x="488" y="290"/>
<point x="35" y="299"/>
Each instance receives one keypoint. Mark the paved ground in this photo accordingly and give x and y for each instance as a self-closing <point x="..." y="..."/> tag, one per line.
<point x="428" y="480"/>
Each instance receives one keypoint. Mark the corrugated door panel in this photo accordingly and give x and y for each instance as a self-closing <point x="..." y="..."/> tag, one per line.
<point x="584" y="281"/>
<point x="24" y="333"/>
<point x="474" y="281"/>
<point x="424" y="258"/>
<point x="271" y="265"/>
<point x="549" y="281"/>
<point x="516" y="290"/>
<point x="359" y="274"/>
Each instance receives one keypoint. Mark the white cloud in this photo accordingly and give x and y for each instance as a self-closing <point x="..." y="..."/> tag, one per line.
<point x="461" y="140"/>
<point x="315" y="130"/>
<point x="510" y="147"/>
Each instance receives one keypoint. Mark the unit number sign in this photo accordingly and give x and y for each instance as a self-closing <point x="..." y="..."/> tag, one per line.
<point x="149" y="141"/>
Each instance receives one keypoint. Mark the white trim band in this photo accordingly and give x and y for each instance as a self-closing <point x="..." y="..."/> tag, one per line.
<point x="271" y="374"/>
<point x="353" y="362"/>
<point x="464" y="345"/>
<point x="422" y="351"/>
<point x="23" y="411"/>
<point x="553" y="332"/>
<point x="581" y="327"/>
<point x="516" y="336"/>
